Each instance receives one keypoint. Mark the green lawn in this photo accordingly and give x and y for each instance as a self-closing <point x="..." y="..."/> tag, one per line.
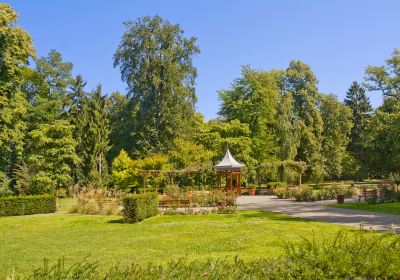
<point x="388" y="208"/>
<point x="26" y="240"/>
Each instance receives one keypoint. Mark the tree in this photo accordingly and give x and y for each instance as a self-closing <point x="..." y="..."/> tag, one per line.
<point x="380" y="138"/>
<point x="360" y="106"/>
<point x="15" y="50"/>
<point x="301" y="84"/>
<point x="56" y="73"/>
<point x="337" y="122"/>
<point x="381" y="141"/>
<point x="126" y="171"/>
<point x="155" y="60"/>
<point x="77" y="103"/>
<point x="95" y="139"/>
<point x="385" y="78"/>
<point x="122" y="123"/>
<point x="287" y="128"/>
<point x="53" y="154"/>
<point x="252" y="100"/>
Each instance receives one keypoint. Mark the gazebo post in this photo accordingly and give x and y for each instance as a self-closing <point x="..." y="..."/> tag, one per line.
<point x="230" y="182"/>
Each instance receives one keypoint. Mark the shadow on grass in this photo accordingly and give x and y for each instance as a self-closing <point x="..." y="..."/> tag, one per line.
<point x="272" y="216"/>
<point x="117" y="221"/>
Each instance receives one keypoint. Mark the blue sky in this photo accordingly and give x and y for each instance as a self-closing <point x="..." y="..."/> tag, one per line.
<point x="338" y="39"/>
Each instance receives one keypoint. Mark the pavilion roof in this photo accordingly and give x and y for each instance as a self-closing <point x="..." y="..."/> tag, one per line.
<point x="228" y="163"/>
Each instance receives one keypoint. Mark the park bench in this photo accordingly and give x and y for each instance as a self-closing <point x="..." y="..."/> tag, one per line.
<point x="366" y="193"/>
<point x="170" y="203"/>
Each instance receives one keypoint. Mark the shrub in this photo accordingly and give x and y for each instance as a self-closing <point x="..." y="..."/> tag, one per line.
<point x="137" y="207"/>
<point x="27" y="205"/>
<point x="283" y="193"/>
<point x="97" y="202"/>
<point x="304" y="194"/>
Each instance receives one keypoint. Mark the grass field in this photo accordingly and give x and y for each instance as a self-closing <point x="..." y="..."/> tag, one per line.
<point x="387" y="208"/>
<point x="27" y="240"/>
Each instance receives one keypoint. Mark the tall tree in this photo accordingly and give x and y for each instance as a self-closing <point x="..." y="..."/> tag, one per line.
<point x="15" y="50"/>
<point x="122" y="122"/>
<point x="77" y="103"/>
<point x="95" y="139"/>
<point x="301" y="83"/>
<point x="252" y="100"/>
<point x="337" y="126"/>
<point x="358" y="102"/>
<point x="381" y="135"/>
<point x="155" y="60"/>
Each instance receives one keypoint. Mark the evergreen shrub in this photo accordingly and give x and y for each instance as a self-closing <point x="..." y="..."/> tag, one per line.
<point x="137" y="207"/>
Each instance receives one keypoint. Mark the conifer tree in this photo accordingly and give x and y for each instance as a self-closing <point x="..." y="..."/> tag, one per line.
<point x="95" y="139"/>
<point x="358" y="102"/>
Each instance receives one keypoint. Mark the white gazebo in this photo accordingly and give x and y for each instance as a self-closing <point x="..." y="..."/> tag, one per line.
<point x="230" y="168"/>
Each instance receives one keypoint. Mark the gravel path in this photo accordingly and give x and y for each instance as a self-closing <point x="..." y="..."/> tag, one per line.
<point x="319" y="212"/>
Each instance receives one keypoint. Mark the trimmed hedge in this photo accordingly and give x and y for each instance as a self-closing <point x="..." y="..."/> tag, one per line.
<point x="27" y="205"/>
<point x="138" y="207"/>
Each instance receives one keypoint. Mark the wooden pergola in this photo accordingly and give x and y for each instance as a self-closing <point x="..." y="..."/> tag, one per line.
<point x="229" y="168"/>
<point x="171" y="173"/>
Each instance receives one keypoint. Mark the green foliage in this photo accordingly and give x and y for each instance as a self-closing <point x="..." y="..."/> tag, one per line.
<point x="304" y="194"/>
<point x="56" y="73"/>
<point x="122" y="124"/>
<point x="5" y="185"/>
<point x="126" y="171"/>
<point x="351" y="168"/>
<point x="95" y="140"/>
<point x="381" y="141"/>
<point x="284" y="193"/>
<point x="358" y="102"/>
<point x="252" y="100"/>
<point x="155" y="60"/>
<point x="301" y="83"/>
<point x="123" y="175"/>
<point x="187" y="154"/>
<point x="137" y="207"/>
<point x="326" y="193"/>
<point x="16" y="49"/>
<point x="385" y="78"/>
<point x="27" y="205"/>
<point x="53" y="153"/>
<point x="337" y="125"/>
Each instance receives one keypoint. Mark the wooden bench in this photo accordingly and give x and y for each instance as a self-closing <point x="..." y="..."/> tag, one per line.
<point x="169" y="203"/>
<point x="367" y="193"/>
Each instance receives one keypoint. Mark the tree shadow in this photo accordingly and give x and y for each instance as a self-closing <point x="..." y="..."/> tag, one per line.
<point x="117" y="221"/>
<point x="273" y="216"/>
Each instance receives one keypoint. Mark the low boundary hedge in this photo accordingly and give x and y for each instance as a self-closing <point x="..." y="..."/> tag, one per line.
<point x="138" y="207"/>
<point x="27" y="205"/>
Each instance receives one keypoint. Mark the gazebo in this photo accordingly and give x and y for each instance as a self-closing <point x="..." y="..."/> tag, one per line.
<point x="230" y="168"/>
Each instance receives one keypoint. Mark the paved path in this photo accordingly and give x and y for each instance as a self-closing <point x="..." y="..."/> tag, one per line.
<point x="317" y="211"/>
